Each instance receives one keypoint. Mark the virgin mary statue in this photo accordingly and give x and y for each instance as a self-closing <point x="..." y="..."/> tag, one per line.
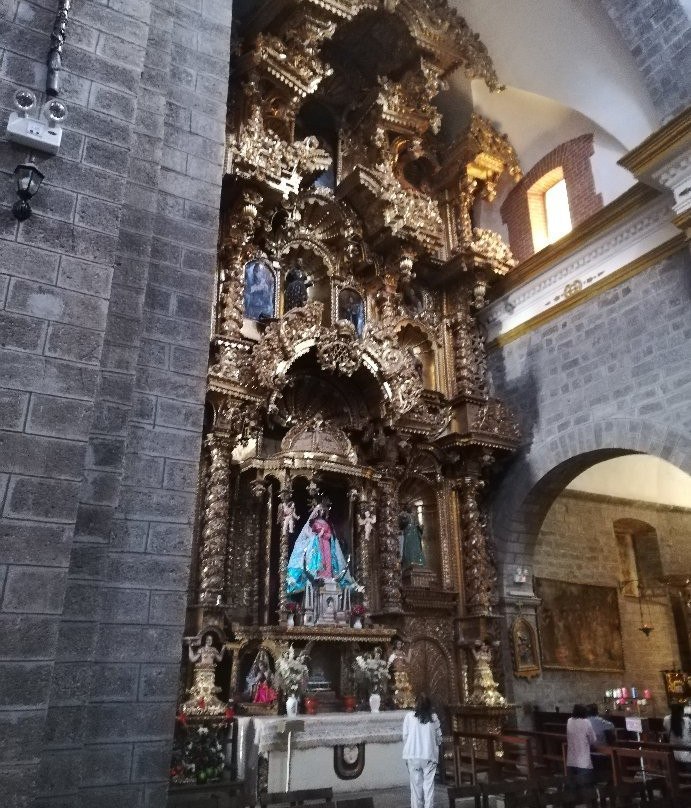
<point x="317" y="554"/>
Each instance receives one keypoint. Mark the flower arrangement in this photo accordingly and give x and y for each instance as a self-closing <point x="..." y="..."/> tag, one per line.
<point x="372" y="671"/>
<point x="292" y="607"/>
<point x="199" y="753"/>
<point x="358" y="610"/>
<point x="291" y="671"/>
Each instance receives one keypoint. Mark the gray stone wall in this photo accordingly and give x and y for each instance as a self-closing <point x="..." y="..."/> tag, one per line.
<point x="658" y="33"/>
<point x="577" y="543"/>
<point x="608" y="377"/>
<point x="105" y="298"/>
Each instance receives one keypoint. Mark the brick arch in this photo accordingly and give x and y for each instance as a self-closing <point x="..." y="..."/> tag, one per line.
<point x="537" y="477"/>
<point x="573" y="158"/>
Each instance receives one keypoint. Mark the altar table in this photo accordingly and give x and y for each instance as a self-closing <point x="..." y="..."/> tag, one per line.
<point x="313" y="751"/>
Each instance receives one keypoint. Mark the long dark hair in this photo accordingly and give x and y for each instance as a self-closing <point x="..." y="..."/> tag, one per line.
<point x="423" y="708"/>
<point x="579" y="711"/>
<point x="677" y="720"/>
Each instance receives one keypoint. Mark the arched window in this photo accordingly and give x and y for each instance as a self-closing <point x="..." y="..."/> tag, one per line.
<point x="556" y="195"/>
<point x="548" y="205"/>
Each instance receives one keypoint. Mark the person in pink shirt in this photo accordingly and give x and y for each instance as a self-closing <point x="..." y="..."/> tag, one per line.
<point x="580" y="736"/>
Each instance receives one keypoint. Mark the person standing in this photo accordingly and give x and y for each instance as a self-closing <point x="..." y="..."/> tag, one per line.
<point x="580" y="736"/>
<point x="421" y="740"/>
<point x="678" y="727"/>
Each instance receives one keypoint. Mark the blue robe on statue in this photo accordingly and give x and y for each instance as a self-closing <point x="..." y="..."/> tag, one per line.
<point x="307" y="548"/>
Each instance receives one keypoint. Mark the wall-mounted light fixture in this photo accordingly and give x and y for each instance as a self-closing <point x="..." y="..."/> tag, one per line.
<point x="42" y="133"/>
<point x="29" y="180"/>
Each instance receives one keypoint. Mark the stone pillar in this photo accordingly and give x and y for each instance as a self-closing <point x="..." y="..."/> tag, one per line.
<point x="389" y="547"/>
<point x="216" y="511"/>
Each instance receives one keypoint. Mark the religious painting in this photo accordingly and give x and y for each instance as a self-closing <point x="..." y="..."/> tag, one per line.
<point x="579" y="626"/>
<point x="260" y="287"/>
<point x="677" y="687"/>
<point x="351" y="307"/>
<point x="526" y="660"/>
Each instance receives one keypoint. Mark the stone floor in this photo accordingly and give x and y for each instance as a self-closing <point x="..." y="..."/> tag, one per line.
<point x="399" y="797"/>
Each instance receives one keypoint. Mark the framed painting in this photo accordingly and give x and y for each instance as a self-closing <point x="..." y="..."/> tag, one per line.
<point x="676" y="687"/>
<point x="579" y="626"/>
<point x="526" y="659"/>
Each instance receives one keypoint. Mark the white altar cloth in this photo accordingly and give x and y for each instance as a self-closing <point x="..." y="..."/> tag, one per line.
<point x="312" y="755"/>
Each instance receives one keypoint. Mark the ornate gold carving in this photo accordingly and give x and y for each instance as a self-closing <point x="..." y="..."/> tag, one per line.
<point x="216" y="508"/>
<point x="293" y="60"/>
<point x="470" y="357"/>
<point x="493" y="154"/>
<point x="260" y="154"/>
<point x="316" y="437"/>
<point x="366" y="522"/>
<point x="389" y="552"/>
<point x="495" y="418"/>
<point x="479" y="573"/>
<point x="407" y="104"/>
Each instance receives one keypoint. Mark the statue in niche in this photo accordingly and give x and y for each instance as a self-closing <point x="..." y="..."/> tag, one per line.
<point x="259" y="680"/>
<point x="351" y="307"/>
<point x="367" y="521"/>
<point x="286" y="516"/>
<point x="411" y="539"/>
<point x="260" y="285"/>
<point x="412" y="298"/>
<point x="317" y="555"/>
<point x="297" y="284"/>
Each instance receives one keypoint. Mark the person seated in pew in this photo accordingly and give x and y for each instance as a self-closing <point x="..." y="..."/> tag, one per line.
<point x="605" y="735"/>
<point x="678" y="727"/>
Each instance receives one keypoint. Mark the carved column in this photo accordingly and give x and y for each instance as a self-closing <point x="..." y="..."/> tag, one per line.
<point x="479" y="572"/>
<point x="389" y="547"/>
<point x="216" y="510"/>
<point x="366" y="525"/>
<point x="232" y="297"/>
<point x="286" y="521"/>
<point x="470" y="360"/>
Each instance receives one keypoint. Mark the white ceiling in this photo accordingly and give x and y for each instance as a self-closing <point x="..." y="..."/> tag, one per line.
<point x="570" y="52"/>
<point x="638" y="477"/>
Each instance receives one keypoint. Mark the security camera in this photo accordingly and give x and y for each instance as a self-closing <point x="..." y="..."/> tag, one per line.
<point x="25" y="101"/>
<point x="42" y="133"/>
<point x="54" y="111"/>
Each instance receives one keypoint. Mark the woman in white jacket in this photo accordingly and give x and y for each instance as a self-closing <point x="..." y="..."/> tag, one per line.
<point x="421" y="739"/>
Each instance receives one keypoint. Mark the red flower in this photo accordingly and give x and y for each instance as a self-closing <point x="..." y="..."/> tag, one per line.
<point x="229" y="714"/>
<point x="201" y="703"/>
<point x="182" y="718"/>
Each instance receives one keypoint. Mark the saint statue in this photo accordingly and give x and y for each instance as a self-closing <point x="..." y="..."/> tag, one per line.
<point x="411" y="539"/>
<point x="399" y="670"/>
<point x="203" y="695"/>
<point x="485" y="689"/>
<point x="297" y="283"/>
<point x="259" y="680"/>
<point x="317" y="554"/>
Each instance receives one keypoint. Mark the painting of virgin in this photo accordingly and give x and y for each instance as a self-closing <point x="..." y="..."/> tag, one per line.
<point x="260" y="287"/>
<point x="351" y="307"/>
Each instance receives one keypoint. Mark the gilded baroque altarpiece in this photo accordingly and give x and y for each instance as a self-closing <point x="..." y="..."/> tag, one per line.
<point x="351" y="425"/>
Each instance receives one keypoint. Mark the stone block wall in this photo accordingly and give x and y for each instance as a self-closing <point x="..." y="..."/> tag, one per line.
<point x="658" y="33"/>
<point x="577" y="543"/>
<point x="105" y="304"/>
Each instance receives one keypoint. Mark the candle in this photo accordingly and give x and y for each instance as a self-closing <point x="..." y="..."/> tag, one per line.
<point x="625" y="692"/>
<point x="634" y="693"/>
<point x="647" y="694"/>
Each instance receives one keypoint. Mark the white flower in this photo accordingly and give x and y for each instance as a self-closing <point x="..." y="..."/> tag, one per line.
<point x="203" y="731"/>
